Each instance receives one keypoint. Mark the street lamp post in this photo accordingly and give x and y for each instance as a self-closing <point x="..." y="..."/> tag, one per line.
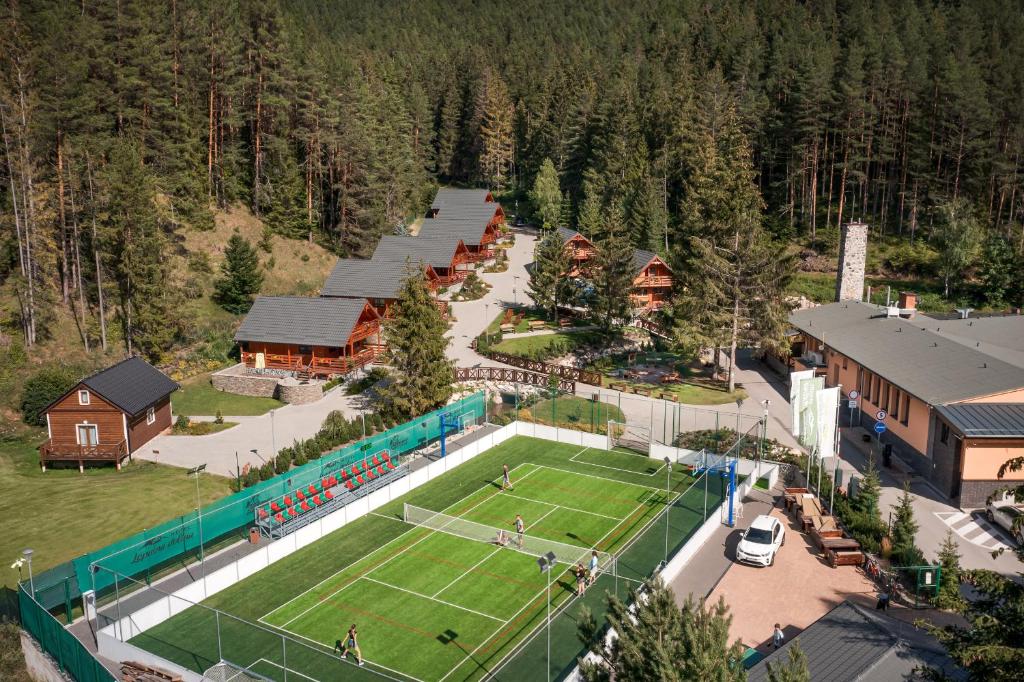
<point x="668" y="487"/>
<point x="27" y="553"/>
<point x="739" y="406"/>
<point x="547" y="565"/>
<point x="273" y="435"/>
<point x="195" y="471"/>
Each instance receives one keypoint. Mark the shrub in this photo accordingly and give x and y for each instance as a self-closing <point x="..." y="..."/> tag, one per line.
<point x="300" y="457"/>
<point x="251" y="478"/>
<point x="218" y="418"/>
<point x="181" y="423"/>
<point x="42" y="388"/>
<point x="266" y="472"/>
<point x="378" y="421"/>
<point x="282" y="463"/>
<point x="266" y="242"/>
<point x="199" y="262"/>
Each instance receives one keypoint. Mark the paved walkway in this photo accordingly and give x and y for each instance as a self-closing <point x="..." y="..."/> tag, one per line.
<point x="266" y="434"/>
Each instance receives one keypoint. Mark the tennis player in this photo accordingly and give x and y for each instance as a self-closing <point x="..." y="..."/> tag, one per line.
<point x="351" y="644"/>
<point x="593" y="568"/>
<point x="520" y="529"/>
<point x="506" y="482"/>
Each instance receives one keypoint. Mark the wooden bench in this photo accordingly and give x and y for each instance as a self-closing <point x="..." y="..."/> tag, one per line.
<point x="507" y="329"/>
<point x="536" y="324"/>
<point x="564" y="322"/>
<point x="669" y="395"/>
<point x="844" y="557"/>
<point x="825" y="528"/>
<point x="670" y="378"/>
<point x="839" y="545"/>
<point x="789" y="496"/>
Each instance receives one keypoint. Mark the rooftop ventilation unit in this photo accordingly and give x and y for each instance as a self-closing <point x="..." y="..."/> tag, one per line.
<point x="965" y="312"/>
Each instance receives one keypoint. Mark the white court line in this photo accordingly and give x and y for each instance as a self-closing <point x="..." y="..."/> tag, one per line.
<point x="389" y="559"/>
<point x="561" y="506"/>
<point x="468" y="571"/>
<point x="424" y="596"/>
<point x="606" y="466"/>
<point x="600" y="478"/>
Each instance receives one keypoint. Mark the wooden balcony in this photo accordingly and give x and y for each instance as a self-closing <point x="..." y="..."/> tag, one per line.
<point x="72" y="452"/>
<point x="318" y="367"/>
<point x="454" y="278"/>
<point x="652" y="282"/>
<point x="482" y="255"/>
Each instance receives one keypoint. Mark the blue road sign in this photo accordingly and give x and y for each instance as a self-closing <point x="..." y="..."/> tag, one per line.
<point x="879" y="427"/>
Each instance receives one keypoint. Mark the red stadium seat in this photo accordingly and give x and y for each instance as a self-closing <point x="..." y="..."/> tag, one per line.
<point x="305" y="505"/>
<point x="350" y="485"/>
<point x="292" y="512"/>
<point x="288" y="501"/>
<point x="263" y="513"/>
<point x="334" y="479"/>
<point x="312" y="489"/>
<point x="359" y="479"/>
<point x="274" y="506"/>
<point x="299" y="494"/>
<point x="325" y="484"/>
<point x="376" y="460"/>
<point x="317" y="501"/>
<point x="387" y="456"/>
<point x="355" y="468"/>
<point x="279" y="517"/>
<point x="328" y="494"/>
<point x="391" y="465"/>
<point x="370" y="475"/>
<point x="380" y="470"/>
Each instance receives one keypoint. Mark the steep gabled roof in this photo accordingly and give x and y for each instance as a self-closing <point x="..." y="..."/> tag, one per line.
<point x="131" y="385"/>
<point x="641" y="258"/>
<point x="568" y="234"/>
<point x="437" y="252"/>
<point x="470" y="231"/>
<point x="355" y="278"/>
<point x="455" y="196"/>
<point x="925" y="364"/>
<point x="302" y="321"/>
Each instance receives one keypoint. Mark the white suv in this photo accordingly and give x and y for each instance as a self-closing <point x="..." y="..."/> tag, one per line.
<point x="1008" y="515"/>
<point x="759" y="543"/>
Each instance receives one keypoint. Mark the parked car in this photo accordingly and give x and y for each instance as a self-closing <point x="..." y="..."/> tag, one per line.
<point x="1006" y="514"/>
<point x="760" y="543"/>
<point x="520" y="222"/>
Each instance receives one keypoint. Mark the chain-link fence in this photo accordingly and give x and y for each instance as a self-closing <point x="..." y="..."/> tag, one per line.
<point x="71" y="656"/>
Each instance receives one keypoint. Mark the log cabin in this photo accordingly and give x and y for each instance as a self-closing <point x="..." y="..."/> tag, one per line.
<point x="476" y="230"/>
<point x="108" y="415"/>
<point x="448" y="257"/>
<point x="378" y="282"/>
<point x="579" y="248"/>
<point x="309" y="337"/>
<point x="448" y="198"/>
<point x="652" y="281"/>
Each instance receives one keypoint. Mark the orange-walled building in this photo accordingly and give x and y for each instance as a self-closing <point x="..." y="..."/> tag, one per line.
<point x="953" y="390"/>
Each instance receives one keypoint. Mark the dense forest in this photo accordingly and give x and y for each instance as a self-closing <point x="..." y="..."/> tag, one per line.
<point x="126" y="122"/>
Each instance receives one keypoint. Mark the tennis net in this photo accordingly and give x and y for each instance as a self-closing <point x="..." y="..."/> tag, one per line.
<point x="527" y="544"/>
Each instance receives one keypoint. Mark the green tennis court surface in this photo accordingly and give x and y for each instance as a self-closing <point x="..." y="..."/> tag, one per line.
<point x="430" y="604"/>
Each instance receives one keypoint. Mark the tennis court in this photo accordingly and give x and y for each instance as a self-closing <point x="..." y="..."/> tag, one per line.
<point x="449" y="590"/>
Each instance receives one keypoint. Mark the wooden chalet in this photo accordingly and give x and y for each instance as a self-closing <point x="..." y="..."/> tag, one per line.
<point x="378" y="282"/>
<point x="579" y="248"/>
<point x="310" y="337"/>
<point x="453" y="198"/>
<point x="652" y="283"/>
<point x="478" y="230"/>
<point x="108" y="415"/>
<point x="448" y="257"/>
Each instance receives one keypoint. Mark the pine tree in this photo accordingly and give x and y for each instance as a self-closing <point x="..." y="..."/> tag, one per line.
<point x="416" y="346"/>
<point x="589" y="221"/>
<point x="550" y="263"/>
<point x="658" y="640"/>
<point x="240" y="278"/>
<point x="547" y="196"/>
<point x="869" y="490"/>
<point x="612" y="274"/>
<point x="496" y="138"/>
<point x="949" y="588"/>
<point x="904" y="531"/>
<point x="793" y="670"/>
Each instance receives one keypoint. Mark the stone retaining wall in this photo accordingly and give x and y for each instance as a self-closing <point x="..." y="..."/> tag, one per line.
<point x="298" y="394"/>
<point x="234" y="380"/>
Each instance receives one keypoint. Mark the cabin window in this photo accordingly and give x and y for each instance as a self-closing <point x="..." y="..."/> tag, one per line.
<point x="305" y="350"/>
<point x="88" y="434"/>
<point x="905" y="414"/>
<point x="895" y="412"/>
<point x="150" y="415"/>
<point x="944" y="434"/>
<point x="83" y="397"/>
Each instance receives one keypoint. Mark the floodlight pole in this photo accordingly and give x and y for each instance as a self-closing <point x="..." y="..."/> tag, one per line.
<point x="27" y="553"/>
<point x="549" y="624"/>
<point x="668" y="508"/>
<point x="273" y="434"/>
<point x="195" y="471"/>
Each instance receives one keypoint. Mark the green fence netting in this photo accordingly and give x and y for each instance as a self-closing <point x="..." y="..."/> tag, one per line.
<point x="177" y="541"/>
<point x="71" y="655"/>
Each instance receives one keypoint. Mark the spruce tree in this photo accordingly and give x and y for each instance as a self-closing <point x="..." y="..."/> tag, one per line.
<point x="793" y="670"/>
<point x="869" y="490"/>
<point x="611" y="273"/>
<point x="240" y="278"/>
<point x="904" y="530"/>
<point x="657" y="640"/>
<point x="546" y="195"/>
<point x="547" y="276"/>
<point x="423" y="375"/>
<point x="589" y="221"/>
<point x="949" y="586"/>
<point x="958" y="237"/>
<point x="496" y="140"/>
<point x="1001" y="273"/>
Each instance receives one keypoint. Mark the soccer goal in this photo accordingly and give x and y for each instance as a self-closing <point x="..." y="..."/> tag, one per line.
<point x="226" y="671"/>
<point x="625" y="436"/>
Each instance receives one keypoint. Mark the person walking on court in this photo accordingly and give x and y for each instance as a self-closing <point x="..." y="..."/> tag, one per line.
<point x="581" y="578"/>
<point x="593" y="568"/>
<point x="778" y="636"/>
<point x="506" y="482"/>
<point x="520" y="529"/>
<point x="351" y="644"/>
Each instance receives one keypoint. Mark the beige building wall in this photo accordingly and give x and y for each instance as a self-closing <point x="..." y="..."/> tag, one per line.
<point x="1009" y="397"/>
<point x="984" y="456"/>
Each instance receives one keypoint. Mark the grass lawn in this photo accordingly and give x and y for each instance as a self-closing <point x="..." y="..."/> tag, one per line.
<point x="820" y="287"/>
<point x="62" y="514"/>
<point x="546" y="345"/>
<point x="433" y="604"/>
<point x="197" y="396"/>
<point x="573" y="412"/>
<point x="694" y="394"/>
<point x="530" y="315"/>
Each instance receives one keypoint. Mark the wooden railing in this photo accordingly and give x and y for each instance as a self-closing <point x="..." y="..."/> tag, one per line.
<point x="511" y="375"/>
<point x="571" y="373"/>
<point x="364" y="329"/>
<point x="103" y="452"/>
<point x="317" y="366"/>
<point x="654" y="281"/>
<point x="448" y="280"/>
<point x="274" y="361"/>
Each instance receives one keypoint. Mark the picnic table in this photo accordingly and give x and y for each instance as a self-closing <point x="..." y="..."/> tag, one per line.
<point x="844" y="557"/>
<point x="670" y="378"/>
<point x="825" y="527"/>
<point x="809" y="508"/>
<point x="839" y="544"/>
<point x="789" y="496"/>
<point x="507" y="328"/>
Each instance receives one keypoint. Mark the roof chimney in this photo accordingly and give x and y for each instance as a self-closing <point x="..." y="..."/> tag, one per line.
<point x="853" y="251"/>
<point x="908" y="304"/>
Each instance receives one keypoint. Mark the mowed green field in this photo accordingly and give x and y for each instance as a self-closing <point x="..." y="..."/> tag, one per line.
<point x="429" y="604"/>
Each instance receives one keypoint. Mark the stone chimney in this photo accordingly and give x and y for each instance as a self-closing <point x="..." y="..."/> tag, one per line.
<point x="908" y="304"/>
<point x="853" y="251"/>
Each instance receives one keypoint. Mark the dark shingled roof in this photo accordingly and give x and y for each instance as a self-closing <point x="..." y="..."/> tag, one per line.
<point x="354" y="278"/>
<point x="933" y="368"/>
<point x="986" y="420"/>
<point x="434" y="251"/>
<point x="453" y="196"/>
<point x="301" y="321"/>
<point x="132" y="385"/>
<point x="851" y="643"/>
<point x="640" y="259"/>
<point x="454" y="229"/>
<point x="1001" y="336"/>
<point x="567" y="233"/>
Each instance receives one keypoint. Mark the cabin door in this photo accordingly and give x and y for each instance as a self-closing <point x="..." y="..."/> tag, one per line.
<point x="88" y="435"/>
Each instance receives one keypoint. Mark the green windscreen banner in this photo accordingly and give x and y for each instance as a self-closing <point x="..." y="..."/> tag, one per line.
<point x="178" y="540"/>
